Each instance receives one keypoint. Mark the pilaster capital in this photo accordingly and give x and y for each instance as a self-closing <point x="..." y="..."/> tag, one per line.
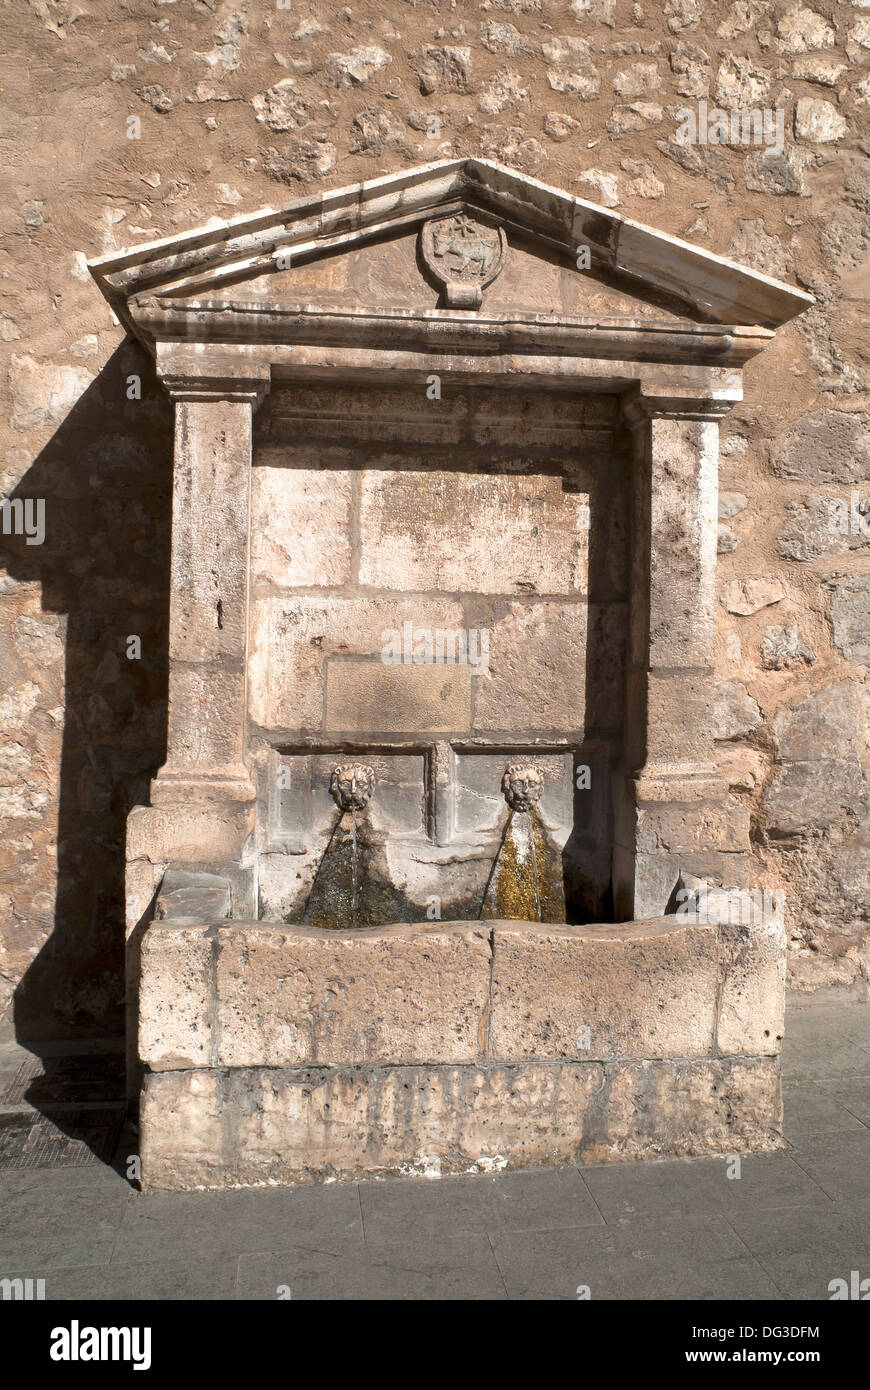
<point x="252" y="387"/>
<point x="650" y="400"/>
<point x="193" y="372"/>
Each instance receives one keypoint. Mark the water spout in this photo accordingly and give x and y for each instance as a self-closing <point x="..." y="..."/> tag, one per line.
<point x="525" y="882"/>
<point x="334" y="898"/>
<point x="533" y="828"/>
<point x="353" y="878"/>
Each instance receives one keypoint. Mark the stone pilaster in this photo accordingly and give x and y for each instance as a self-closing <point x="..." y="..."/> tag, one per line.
<point x="206" y="754"/>
<point x="672" y="809"/>
<point x="203" y="798"/>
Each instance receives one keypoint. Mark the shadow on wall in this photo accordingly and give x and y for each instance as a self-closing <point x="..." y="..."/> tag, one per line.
<point x="106" y="479"/>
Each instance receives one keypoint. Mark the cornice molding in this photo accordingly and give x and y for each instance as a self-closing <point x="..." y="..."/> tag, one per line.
<point x="445" y="331"/>
<point x="711" y="287"/>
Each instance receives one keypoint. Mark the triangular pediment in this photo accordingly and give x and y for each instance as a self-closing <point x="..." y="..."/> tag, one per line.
<point x="389" y="272"/>
<point x="464" y="234"/>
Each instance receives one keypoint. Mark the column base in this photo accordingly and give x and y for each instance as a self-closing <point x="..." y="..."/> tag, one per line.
<point x="182" y="786"/>
<point x="670" y="819"/>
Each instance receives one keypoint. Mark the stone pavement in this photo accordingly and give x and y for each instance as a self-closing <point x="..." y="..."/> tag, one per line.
<point x="683" y="1229"/>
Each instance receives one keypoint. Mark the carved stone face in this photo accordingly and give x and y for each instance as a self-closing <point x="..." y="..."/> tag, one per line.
<point x="351" y="785"/>
<point x="522" y="786"/>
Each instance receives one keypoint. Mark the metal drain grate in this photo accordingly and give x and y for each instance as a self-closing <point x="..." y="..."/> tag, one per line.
<point x="67" y="1138"/>
<point x="66" y="1080"/>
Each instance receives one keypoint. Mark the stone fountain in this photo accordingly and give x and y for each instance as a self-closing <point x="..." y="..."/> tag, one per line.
<point x="440" y="731"/>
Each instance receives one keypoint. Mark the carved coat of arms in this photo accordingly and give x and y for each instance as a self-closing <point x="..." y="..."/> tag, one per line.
<point x="464" y="255"/>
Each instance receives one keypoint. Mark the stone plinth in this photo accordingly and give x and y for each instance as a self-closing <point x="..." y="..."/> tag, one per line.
<point x="277" y="1053"/>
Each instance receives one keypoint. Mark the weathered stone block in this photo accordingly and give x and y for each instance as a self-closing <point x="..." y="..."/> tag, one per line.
<point x="180" y="1125"/>
<point x="189" y="833"/>
<point x="751" y="1003"/>
<point x="292" y="638"/>
<point x="599" y="993"/>
<point x="747" y="596"/>
<point x="730" y="504"/>
<point x="645" y="883"/>
<point x="194" y="897"/>
<point x="488" y="537"/>
<point x="676" y="1109"/>
<point x="296" y="995"/>
<point x="804" y="797"/>
<point x="298" y="807"/>
<point x="207" y="712"/>
<point x="826" y="446"/>
<point x="691" y="829"/>
<point x="680" y="716"/>
<point x="537" y="669"/>
<point x="176" y="997"/>
<point x="743" y="768"/>
<point x="369" y="697"/>
<point x="245" y="1126"/>
<point x="44" y="392"/>
<point x="818" y="121"/>
<point x="736" y="714"/>
<point x="210" y="531"/>
<point x="300" y="523"/>
<point x="479" y="800"/>
<point x="820" y="525"/>
<point x="829" y="725"/>
<point x="779" y="172"/>
<point x="682" y="526"/>
<point x="606" y="645"/>
<point x="783" y="647"/>
<point x="850" y="616"/>
<point x="279" y="995"/>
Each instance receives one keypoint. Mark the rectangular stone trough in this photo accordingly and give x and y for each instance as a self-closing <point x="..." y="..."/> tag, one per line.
<point x="280" y="1053"/>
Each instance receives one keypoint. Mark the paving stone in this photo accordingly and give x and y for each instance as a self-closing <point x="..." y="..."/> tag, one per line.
<point x="824" y="1225"/>
<point x="695" y="1186"/>
<point x="808" y="1274"/>
<point x="137" y="1281"/>
<point x="824" y="1060"/>
<point x="827" y="1024"/>
<point x="693" y="1258"/>
<point x="837" y="1163"/>
<point x="804" y="1248"/>
<point x="813" y="1110"/>
<point x="850" y="616"/>
<point x="215" y="1226"/>
<point x="853" y="1095"/>
<point x="59" y="1218"/>
<point x="537" y="1200"/>
<point x="447" y="1267"/>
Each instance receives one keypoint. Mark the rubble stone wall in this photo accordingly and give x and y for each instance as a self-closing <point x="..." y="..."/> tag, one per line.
<point x="127" y="122"/>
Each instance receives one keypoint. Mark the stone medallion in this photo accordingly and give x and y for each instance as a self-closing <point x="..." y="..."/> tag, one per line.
<point x="464" y="255"/>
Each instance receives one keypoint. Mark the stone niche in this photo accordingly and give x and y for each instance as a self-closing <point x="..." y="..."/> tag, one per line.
<point x="438" y="590"/>
<point x="440" y="735"/>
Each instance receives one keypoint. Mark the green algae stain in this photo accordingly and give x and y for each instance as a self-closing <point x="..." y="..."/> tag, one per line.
<point x="526" y="881"/>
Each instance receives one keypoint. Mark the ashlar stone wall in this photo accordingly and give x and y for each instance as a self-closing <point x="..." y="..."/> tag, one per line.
<point x="383" y="520"/>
